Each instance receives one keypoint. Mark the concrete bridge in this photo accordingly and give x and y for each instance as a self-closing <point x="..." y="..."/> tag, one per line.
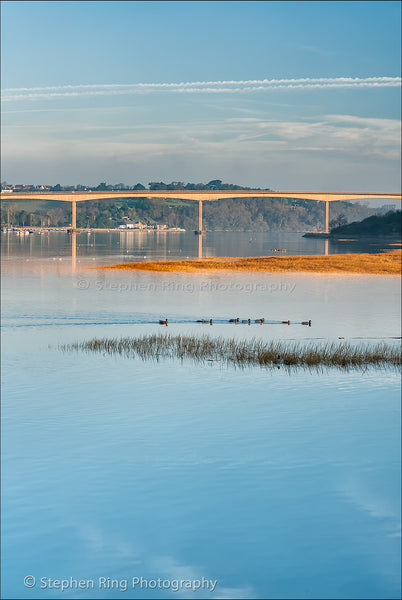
<point x="198" y="196"/>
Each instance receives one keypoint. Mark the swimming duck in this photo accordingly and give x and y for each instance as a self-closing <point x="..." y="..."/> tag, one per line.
<point x="307" y="323"/>
<point x="259" y="321"/>
<point x="163" y="322"/>
<point x="234" y="320"/>
<point x="246" y="321"/>
<point x="286" y="322"/>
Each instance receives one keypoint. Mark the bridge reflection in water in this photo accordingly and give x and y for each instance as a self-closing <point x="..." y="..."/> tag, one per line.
<point x="74" y="234"/>
<point x="73" y="251"/>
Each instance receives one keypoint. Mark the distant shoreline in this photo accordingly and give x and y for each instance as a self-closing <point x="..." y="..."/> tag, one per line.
<point x="387" y="263"/>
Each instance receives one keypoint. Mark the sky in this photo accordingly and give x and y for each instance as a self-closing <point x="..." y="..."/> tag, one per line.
<point x="280" y="95"/>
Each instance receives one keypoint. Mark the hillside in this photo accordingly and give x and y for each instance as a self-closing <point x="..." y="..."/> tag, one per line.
<point x="245" y="214"/>
<point x="374" y="226"/>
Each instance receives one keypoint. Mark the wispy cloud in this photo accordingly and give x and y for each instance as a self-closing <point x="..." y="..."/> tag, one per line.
<point x="362" y="152"/>
<point x="347" y="135"/>
<point x="214" y="87"/>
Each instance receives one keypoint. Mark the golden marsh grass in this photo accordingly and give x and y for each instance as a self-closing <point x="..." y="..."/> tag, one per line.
<point x="387" y="263"/>
<point x="241" y="353"/>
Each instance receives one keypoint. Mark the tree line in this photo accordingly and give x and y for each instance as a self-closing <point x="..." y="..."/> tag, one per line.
<point x="214" y="184"/>
<point x="243" y="214"/>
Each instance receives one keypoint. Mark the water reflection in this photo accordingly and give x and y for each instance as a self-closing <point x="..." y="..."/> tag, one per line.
<point x="120" y="246"/>
<point x="73" y="251"/>
<point x="117" y="467"/>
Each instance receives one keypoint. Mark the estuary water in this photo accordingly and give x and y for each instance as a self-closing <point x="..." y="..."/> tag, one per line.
<point x="159" y="245"/>
<point x="169" y="479"/>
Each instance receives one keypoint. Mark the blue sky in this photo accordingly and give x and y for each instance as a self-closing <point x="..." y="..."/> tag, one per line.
<point x="286" y="95"/>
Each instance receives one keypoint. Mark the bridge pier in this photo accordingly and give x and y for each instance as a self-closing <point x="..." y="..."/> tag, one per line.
<point x="199" y="230"/>
<point x="200" y="216"/>
<point x="326" y="216"/>
<point x="73" y="215"/>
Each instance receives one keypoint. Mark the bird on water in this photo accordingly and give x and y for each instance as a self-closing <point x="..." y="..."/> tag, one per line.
<point x="163" y="322"/>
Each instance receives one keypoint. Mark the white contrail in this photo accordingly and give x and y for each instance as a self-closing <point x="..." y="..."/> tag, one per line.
<point x="231" y="86"/>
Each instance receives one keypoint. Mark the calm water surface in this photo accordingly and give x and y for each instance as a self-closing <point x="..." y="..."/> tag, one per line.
<point x="274" y="484"/>
<point x="140" y="245"/>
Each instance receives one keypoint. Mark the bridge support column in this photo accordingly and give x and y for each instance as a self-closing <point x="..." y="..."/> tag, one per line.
<point x="326" y="216"/>
<point x="73" y="215"/>
<point x="200" y="216"/>
<point x="199" y="230"/>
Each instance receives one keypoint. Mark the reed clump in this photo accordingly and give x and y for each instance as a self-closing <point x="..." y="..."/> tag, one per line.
<point x="240" y="353"/>
<point x="385" y="263"/>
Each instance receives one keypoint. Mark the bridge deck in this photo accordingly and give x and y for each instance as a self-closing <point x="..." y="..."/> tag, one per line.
<point x="196" y="195"/>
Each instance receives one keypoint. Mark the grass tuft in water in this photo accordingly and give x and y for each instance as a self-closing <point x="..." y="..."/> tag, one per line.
<point x="243" y="353"/>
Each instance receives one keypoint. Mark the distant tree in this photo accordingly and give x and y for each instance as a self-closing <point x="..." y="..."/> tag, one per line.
<point x="215" y="184"/>
<point x="139" y="186"/>
<point x="157" y="185"/>
<point x="175" y="185"/>
<point x="339" y="221"/>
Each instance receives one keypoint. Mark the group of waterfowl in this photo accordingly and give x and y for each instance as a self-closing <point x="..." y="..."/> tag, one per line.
<point x="249" y="321"/>
<point x="237" y="320"/>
